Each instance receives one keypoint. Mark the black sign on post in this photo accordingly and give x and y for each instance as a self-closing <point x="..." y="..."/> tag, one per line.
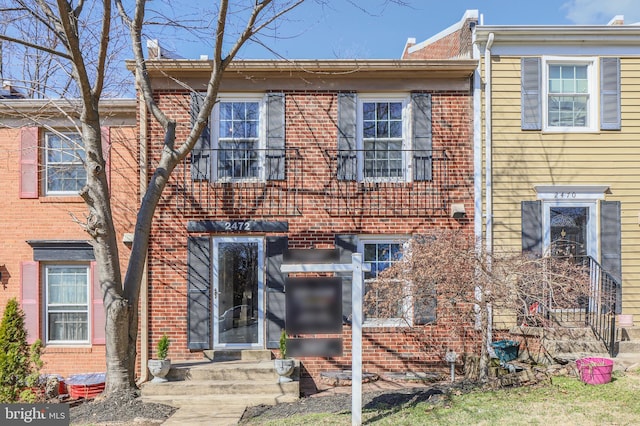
<point x="313" y="305"/>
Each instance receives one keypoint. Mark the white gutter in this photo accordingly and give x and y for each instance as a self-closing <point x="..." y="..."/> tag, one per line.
<point x="488" y="147"/>
<point x="144" y="284"/>
<point x="488" y="178"/>
<point x="477" y="148"/>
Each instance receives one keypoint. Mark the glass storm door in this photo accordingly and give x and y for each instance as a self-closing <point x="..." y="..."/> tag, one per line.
<point x="237" y="302"/>
<point x="570" y="229"/>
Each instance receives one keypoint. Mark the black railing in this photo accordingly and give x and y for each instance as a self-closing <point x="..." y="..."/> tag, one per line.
<point x="390" y="182"/>
<point x="242" y="181"/>
<point x="596" y="307"/>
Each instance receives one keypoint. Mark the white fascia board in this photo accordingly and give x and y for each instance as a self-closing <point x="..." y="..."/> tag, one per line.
<point x="563" y="50"/>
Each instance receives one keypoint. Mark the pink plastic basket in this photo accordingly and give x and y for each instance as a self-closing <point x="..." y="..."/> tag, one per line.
<point x="595" y="371"/>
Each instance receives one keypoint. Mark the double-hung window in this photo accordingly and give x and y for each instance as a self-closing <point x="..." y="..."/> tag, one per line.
<point x="384" y="304"/>
<point x="382" y="131"/>
<point x="64" y="163"/>
<point x="570" y="95"/>
<point x="238" y="134"/>
<point x="67" y="303"/>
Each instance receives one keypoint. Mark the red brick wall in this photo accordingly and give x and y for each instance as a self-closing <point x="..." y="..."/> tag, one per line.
<point x="454" y="45"/>
<point x="49" y="218"/>
<point x="310" y="126"/>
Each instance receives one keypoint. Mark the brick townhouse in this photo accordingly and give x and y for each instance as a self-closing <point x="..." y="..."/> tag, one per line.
<point x="357" y="155"/>
<point x="45" y="260"/>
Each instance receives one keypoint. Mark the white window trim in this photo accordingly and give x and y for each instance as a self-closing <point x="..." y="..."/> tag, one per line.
<point x="408" y="306"/>
<point x="594" y="95"/>
<point x="45" y="161"/>
<point x="262" y="131"/>
<point x="406" y="133"/>
<point x="45" y="280"/>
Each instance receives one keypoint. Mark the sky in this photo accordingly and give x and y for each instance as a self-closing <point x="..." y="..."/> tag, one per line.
<point x="342" y="31"/>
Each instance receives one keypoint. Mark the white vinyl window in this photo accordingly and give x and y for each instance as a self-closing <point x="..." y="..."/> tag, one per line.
<point x="64" y="163"/>
<point x="238" y="138"/>
<point x="67" y="303"/>
<point x="382" y="138"/>
<point x="571" y="98"/>
<point x="381" y="254"/>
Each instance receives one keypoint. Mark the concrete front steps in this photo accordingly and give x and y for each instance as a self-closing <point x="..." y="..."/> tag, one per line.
<point x="217" y="392"/>
<point x="628" y="355"/>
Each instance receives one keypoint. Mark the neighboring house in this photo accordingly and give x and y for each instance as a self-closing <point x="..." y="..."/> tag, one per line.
<point x="557" y="144"/>
<point x="46" y="262"/>
<point x="357" y="155"/>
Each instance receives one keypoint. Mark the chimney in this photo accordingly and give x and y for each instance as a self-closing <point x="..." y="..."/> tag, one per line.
<point x="616" y="20"/>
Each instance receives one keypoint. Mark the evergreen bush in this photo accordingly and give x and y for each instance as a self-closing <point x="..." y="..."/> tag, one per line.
<point x="19" y="363"/>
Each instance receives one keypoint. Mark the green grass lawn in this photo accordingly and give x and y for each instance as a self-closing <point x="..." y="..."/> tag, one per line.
<point x="566" y="401"/>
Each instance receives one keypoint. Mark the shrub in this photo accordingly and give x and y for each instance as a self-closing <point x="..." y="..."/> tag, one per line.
<point x="163" y="347"/>
<point x="19" y="363"/>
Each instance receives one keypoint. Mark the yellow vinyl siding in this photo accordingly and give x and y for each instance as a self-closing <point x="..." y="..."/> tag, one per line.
<point x="523" y="159"/>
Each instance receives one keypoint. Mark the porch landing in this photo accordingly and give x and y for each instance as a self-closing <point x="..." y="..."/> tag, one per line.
<point x="217" y="392"/>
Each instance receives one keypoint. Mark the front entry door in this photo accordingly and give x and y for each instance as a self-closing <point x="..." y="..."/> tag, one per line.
<point x="570" y="229"/>
<point x="238" y="293"/>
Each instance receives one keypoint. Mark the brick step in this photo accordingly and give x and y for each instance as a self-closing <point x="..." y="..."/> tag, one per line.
<point x="220" y="387"/>
<point x="238" y="355"/>
<point x="230" y="370"/>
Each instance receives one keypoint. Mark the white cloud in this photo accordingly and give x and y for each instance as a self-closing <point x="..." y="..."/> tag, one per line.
<point x="601" y="11"/>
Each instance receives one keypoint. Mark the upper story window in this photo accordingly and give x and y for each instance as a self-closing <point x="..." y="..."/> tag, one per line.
<point x="239" y="148"/>
<point x="67" y="306"/>
<point x="64" y="163"/>
<point x="570" y="95"/>
<point x="382" y="139"/>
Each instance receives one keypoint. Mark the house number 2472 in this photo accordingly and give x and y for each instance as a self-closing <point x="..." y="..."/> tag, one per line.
<point x="565" y="195"/>
<point x="237" y="225"/>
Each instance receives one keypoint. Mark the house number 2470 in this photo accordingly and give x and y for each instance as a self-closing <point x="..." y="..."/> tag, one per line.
<point x="237" y="225"/>
<point x="565" y="195"/>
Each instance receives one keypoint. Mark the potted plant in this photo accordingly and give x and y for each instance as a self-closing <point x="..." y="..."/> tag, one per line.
<point x="160" y="366"/>
<point x="284" y="366"/>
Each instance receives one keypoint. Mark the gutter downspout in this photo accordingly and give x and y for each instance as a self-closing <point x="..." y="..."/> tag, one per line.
<point x="144" y="285"/>
<point x="488" y="146"/>
<point x="477" y="148"/>
<point x="488" y="173"/>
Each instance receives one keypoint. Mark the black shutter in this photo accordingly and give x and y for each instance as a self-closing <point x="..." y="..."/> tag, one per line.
<point x="347" y="161"/>
<point x="611" y="243"/>
<point x="199" y="293"/>
<point x="201" y="154"/>
<point x="422" y="136"/>
<point x="610" y="94"/>
<point x="346" y="245"/>
<point x="275" y="155"/>
<point x="532" y="227"/>
<point x="531" y="94"/>
<point x="275" y="314"/>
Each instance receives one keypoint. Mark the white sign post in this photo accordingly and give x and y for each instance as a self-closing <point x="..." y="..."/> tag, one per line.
<point x="356" y="340"/>
<point x="357" y="267"/>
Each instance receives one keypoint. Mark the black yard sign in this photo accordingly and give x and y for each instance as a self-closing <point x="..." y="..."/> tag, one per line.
<point x="313" y="305"/>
